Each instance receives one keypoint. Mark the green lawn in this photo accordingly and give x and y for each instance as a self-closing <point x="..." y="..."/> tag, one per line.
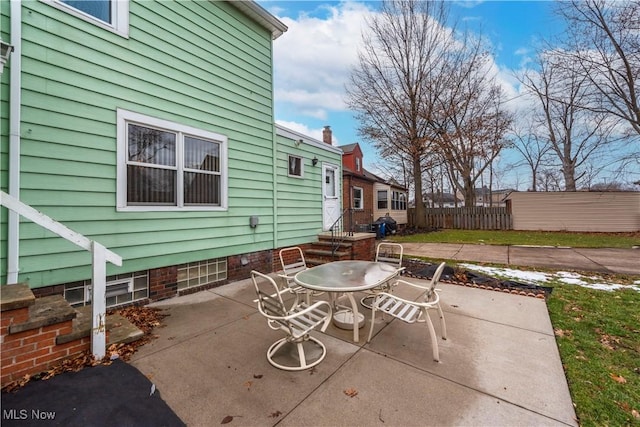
<point x="598" y="335"/>
<point x="597" y="332"/>
<point x="538" y="238"/>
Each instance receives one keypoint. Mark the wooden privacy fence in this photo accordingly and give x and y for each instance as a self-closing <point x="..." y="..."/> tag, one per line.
<point x="476" y="218"/>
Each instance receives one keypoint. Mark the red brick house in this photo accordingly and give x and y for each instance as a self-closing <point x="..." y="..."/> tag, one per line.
<point x="366" y="194"/>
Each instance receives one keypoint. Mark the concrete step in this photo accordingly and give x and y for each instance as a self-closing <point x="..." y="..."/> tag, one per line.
<point x="120" y="329"/>
<point x="327" y="253"/>
<point x="311" y="262"/>
<point x="43" y="312"/>
<point x="329" y="244"/>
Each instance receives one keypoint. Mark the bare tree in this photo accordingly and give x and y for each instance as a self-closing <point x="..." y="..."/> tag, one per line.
<point x="605" y="44"/>
<point x="549" y="180"/>
<point x="531" y="144"/>
<point x="576" y="135"/>
<point x="472" y="121"/>
<point x="397" y="76"/>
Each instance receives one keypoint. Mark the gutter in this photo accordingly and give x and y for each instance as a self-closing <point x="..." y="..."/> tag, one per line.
<point x="261" y="16"/>
<point x="13" y="232"/>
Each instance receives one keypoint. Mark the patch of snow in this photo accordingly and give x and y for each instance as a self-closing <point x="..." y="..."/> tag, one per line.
<point x="538" y="278"/>
<point x="610" y="287"/>
<point x="571" y="281"/>
<point x="531" y="276"/>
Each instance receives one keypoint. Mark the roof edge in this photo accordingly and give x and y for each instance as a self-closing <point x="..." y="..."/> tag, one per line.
<point x="289" y="133"/>
<point x="261" y="16"/>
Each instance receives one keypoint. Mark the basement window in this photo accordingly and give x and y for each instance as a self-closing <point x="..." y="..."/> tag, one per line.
<point x="121" y="289"/>
<point x="201" y="273"/>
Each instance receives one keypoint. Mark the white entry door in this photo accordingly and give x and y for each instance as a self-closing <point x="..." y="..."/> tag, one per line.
<point x="330" y="195"/>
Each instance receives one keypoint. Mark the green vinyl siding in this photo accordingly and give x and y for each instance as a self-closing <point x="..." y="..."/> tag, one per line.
<point x="299" y="200"/>
<point x="4" y="136"/>
<point x="196" y="63"/>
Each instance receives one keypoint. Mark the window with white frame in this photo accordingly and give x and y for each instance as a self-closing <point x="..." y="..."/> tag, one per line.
<point x="399" y="201"/>
<point x="167" y="166"/>
<point x="358" y="196"/>
<point x="112" y="15"/>
<point x="358" y="166"/>
<point x="296" y="168"/>
<point x="383" y="197"/>
<point x="121" y="289"/>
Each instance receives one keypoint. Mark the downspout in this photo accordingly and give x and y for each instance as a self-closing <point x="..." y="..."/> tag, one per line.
<point x="274" y="154"/>
<point x="13" y="232"/>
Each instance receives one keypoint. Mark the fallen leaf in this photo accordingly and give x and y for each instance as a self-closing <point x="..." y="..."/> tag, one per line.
<point x="248" y="384"/>
<point x="275" y="414"/>
<point x="257" y="376"/>
<point x="351" y="392"/>
<point x="635" y="414"/>
<point x="618" y="378"/>
<point x="227" y="419"/>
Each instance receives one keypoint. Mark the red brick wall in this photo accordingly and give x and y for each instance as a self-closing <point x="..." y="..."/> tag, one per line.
<point x="35" y="350"/>
<point x="364" y="249"/>
<point x="260" y="261"/>
<point x="163" y="283"/>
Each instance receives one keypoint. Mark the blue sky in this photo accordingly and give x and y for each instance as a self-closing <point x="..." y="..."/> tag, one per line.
<point x="313" y="58"/>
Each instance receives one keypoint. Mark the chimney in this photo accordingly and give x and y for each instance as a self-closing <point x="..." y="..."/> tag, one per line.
<point x="327" y="135"/>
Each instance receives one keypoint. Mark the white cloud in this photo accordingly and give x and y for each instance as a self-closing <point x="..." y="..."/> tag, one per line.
<point x="315" y="133"/>
<point x="313" y="59"/>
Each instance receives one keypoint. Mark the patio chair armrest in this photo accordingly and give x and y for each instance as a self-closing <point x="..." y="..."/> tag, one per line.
<point x="404" y="282"/>
<point x="280" y="292"/>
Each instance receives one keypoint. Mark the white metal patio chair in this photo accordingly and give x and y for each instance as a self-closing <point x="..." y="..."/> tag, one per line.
<point x="292" y="262"/>
<point x="413" y="311"/>
<point x="389" y="253"/>
<point x="297" y="350"/>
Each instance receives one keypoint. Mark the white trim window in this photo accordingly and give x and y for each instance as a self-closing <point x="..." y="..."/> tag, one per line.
<point x="398" y="201"/>
<point x="295" y="166"/>
<point x="383" y="197"/>
<point x="168" y="166"/>
<point x="357" y="197"/>
<point x="112" y="15"/>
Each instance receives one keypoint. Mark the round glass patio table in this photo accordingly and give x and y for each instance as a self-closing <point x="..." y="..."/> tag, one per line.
<point x="346" y="277"/>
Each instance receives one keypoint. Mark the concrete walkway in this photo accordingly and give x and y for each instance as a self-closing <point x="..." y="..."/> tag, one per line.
<point x="500" y="366"/>
<point x="622" y="261"/>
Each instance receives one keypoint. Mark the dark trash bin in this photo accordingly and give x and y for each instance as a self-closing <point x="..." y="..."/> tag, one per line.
<point x="384" y="226"/>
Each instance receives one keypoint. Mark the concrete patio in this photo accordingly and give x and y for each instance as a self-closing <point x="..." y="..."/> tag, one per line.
<point x="499" y="366"/>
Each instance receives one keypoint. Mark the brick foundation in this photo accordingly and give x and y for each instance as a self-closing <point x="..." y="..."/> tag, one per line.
<point x="261" y="261"/>
<point x="28" y="340"/>
<point x="163" y="283"/>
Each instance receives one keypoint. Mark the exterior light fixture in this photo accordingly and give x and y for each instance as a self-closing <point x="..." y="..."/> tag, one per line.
<point x="5" y="51"/>
<point x="314" y="161"/>
<point x="298" y="142"/>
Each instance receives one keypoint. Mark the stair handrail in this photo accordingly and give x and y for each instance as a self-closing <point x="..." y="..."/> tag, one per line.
<point x="100" y="255"/>
<point x="337" y="232"/>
